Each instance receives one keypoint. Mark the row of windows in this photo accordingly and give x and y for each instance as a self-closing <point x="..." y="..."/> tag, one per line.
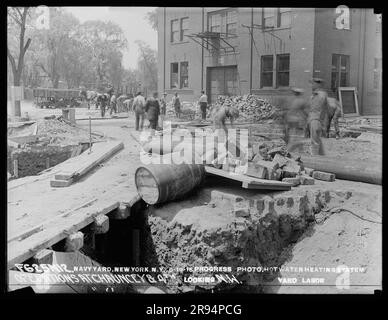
<point x="225" y="21"/>
<point x="179" y="75"/>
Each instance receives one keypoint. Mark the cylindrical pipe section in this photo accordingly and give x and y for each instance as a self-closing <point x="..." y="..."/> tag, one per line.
<point x="353" y="170"/>
<point x="159" y="183"/>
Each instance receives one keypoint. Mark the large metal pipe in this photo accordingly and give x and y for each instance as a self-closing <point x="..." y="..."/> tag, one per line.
<point x="354" y="170"/>
<point x="164" y="182"/>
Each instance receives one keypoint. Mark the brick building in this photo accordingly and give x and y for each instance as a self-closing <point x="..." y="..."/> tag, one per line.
<point x="266" y="51"/>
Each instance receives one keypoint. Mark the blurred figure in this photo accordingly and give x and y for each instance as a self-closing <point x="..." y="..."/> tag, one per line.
<point x="102" y="101"/>
<point x="152" y="108"/>
<point x="223" y="113"/>
<point x="333" y="114"/>
<point x="120" y="102"/>
<point x="318" y="111"/>
<point x="203" y="104"/>
<point x="128" y="103"/>
<point x="113" y="104"/>
<point x="177" y="105"/>
<point x="163" y="108"/>
<point x="295" y="117"/>
<point x="138" y="106"/>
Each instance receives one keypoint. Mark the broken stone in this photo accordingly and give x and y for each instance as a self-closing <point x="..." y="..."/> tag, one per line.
<point x="281" y="160"/>
<point x="280" y="150"/>
<point x="306" y="180"/>
<point x="294" y="181"/>
<point x="255" y="170"/>
<point x="291" y="170"/>
<point x="324" y="176"/>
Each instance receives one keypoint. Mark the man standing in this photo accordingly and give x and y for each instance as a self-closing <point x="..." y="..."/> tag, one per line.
<point x="203" y="104"/>
<point x="102" y="101"/>
<point x="113" y="104"/>
<point x="163" y="108"/>
<point x="318" y="111"/>
<point x="138" y="106"/>
<point x="152" y="108"/>
<point x="177" y="105"/>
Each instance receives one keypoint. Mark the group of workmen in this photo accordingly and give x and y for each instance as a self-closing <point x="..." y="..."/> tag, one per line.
<point x="314" y="115"/>
<point x="311" y="114"/>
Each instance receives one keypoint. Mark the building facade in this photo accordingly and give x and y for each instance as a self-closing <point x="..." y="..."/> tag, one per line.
<point x="267" y="51"/>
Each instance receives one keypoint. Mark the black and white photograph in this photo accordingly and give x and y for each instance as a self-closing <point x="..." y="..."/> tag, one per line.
<point x="194" y="150"/>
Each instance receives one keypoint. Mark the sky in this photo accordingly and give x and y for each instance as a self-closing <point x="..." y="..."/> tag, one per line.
<point x="131" y="19"/>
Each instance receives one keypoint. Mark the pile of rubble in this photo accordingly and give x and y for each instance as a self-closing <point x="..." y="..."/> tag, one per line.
<point x="59" y="131"/>
<point x="250" y="107"/>
<point x="275" y="163"/>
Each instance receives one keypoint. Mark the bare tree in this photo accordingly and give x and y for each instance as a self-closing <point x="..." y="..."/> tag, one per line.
<point x="18" y="16"/>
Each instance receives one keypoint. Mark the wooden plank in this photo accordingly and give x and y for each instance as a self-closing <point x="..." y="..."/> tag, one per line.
<point x="61" y="183"/>
<point x="57" y="230"/>
<point x="87" y="161"/>
<point x="250" y="182"/>
<point x="26" y="233"/>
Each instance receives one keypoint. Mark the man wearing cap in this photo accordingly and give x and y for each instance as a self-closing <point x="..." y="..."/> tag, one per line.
<point x="318" y="111"/>
<point x="138" y="106"/>
<point x="296" y="115"/>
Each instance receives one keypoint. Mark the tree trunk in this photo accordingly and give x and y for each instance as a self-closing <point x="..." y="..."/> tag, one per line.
<point x="17" y="106"/>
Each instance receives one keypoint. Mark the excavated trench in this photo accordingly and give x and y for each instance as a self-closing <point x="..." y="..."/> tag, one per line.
<point x="34" y="159"/>
<point x="219" y="226"/>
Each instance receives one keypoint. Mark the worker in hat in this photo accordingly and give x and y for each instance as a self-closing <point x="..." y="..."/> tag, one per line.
<point x="295" y="116"/>
<point x="318" y="111"/>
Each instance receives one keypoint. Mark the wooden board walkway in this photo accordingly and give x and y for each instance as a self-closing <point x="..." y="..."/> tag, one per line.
<point x="40" y="216"/>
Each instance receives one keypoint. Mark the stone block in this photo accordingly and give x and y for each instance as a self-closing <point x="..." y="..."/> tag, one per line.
<point x="281" y="160"/>
<point x="257" y="171"/>
<point x="324" y="176"/>
<point x="306" y="180"/>
<point x="294" y="181"/>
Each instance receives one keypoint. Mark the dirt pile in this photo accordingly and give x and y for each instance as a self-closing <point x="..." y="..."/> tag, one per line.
<point x="218" y="229"/>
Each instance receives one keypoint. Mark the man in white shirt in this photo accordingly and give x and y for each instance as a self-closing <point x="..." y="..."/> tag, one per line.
<point x="138" y="106"/>
<point x="203" y="104"/>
